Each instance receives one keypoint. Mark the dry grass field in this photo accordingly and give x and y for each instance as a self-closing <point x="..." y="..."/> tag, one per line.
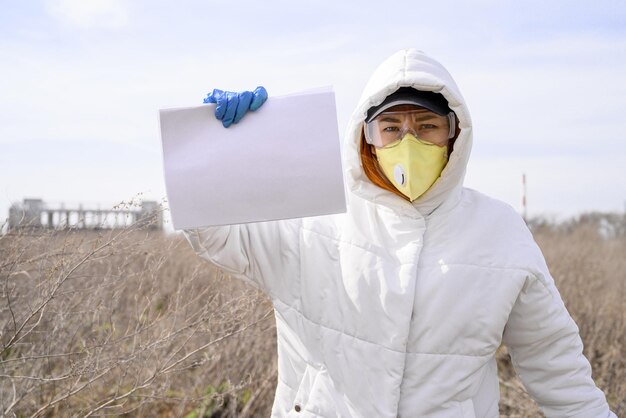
<point x="131" y="323"/>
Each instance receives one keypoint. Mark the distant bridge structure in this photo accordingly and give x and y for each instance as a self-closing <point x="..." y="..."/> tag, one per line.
<point x="35" y="214"/>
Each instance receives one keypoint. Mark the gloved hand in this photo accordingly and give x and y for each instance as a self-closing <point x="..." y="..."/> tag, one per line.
<point x="232" y="106"/>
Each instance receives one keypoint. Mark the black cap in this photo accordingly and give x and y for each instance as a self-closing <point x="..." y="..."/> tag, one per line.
<point x="430" y="100"/>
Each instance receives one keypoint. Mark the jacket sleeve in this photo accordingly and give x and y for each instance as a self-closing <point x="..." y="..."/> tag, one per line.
<point x="547" y="353"/>
<point x="263" y="254"/>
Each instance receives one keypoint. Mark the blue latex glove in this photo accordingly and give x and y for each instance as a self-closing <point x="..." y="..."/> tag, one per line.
<point x="231" y="106"/>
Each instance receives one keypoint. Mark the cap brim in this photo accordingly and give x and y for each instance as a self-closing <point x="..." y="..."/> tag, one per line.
<point x="421" y="103"/>
<point x="432" y="101"/>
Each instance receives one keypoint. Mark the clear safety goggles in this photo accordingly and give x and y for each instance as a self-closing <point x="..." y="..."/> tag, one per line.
<point x="389" y="127"/>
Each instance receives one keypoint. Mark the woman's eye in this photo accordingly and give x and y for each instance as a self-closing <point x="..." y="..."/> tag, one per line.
<point x="390" y="129"/>
<point x="428" y="126"/>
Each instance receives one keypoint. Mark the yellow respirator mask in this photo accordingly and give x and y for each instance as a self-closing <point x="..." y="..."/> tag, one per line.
<point x="411" y="165"/>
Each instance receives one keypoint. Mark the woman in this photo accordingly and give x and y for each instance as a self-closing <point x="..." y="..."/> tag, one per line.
<point x="397" y="307"/>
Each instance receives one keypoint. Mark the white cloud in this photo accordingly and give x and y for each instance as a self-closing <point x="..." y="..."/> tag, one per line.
<point x="90" y="13"/>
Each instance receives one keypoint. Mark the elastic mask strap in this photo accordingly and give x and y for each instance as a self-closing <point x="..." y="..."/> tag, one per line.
<point x="452" y="125"/>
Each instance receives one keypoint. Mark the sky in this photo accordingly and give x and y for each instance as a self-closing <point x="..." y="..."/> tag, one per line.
<point x="81" y="82"/>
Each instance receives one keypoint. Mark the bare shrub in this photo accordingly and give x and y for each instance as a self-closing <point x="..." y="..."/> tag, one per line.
<point x="126" y="322"/>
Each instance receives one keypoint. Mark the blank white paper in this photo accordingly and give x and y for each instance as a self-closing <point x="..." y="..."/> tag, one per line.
<point x="282" y="161"/>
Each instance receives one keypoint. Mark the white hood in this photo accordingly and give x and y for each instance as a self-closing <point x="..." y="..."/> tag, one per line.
<point x="409" y="68"/>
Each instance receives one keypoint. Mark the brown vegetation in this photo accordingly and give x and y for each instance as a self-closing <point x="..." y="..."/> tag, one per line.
<point x="132" y="323"/>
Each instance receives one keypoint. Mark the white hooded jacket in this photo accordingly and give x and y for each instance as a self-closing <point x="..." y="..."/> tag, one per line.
<point x="397" y="309"/>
